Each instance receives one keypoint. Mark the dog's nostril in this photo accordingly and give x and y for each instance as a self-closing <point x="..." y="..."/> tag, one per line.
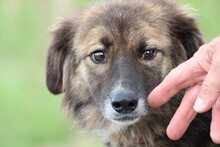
<point x="132" y="104"/>
<point x="116" y="105"/>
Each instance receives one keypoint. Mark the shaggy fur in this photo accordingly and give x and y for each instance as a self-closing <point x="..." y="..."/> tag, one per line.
<point x="138" y="42"/>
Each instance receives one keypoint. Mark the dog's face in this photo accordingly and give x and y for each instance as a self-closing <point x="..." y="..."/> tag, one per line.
<point x="110" y="56"/>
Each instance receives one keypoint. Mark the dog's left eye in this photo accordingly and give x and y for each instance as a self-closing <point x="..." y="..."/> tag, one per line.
<point x="149" y="54"/>
<point x="98" y="56"/>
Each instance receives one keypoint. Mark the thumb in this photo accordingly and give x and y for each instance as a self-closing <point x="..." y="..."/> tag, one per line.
<point x="210" y="89"/>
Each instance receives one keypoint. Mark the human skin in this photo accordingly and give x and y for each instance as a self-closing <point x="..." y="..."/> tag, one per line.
<point x="201" y="75"/>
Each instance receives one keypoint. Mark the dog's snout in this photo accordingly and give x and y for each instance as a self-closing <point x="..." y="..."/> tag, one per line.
<point x="124" y="102"/>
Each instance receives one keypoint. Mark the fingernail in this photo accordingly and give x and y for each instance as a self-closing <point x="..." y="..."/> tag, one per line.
<point x="199" y="105"/>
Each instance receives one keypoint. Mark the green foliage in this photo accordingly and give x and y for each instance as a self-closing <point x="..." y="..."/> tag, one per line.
<point x="29" y="115"/>
<point x="208" y="16"/>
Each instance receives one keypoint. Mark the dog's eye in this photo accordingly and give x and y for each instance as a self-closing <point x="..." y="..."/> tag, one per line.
<point x="98" y="57"/>
<point x="149" y="54"/>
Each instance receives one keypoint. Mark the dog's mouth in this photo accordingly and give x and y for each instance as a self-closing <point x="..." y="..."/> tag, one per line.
<point x="126" y="119"/>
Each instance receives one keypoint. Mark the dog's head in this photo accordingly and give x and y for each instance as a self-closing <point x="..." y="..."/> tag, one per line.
<point x="111" y="55"/>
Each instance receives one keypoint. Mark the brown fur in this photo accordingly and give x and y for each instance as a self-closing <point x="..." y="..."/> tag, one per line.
<point x="122" y="28"/>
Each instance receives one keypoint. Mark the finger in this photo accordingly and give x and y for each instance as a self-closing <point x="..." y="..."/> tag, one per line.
<point x="176" y="80"/>
<point x="184" y="114"/>
<point x="210" y="89"/>
<point x="215" y="42"/>
<point x="215" y="124"/>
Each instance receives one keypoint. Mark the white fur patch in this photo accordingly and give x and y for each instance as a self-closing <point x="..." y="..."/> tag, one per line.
<point x="114" y="116"/>
<point x="107" y="132"/>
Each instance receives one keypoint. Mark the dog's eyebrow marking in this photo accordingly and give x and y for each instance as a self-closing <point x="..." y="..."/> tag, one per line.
<point x="142" y="45"/>
<point x="105" y="41"/>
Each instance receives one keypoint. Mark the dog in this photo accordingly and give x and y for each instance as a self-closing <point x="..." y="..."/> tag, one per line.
<point x="108" y="57"/>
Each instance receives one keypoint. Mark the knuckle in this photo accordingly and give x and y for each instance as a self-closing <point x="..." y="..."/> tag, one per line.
<point x="205" y="88"/>
<point x="208" y="90"/>
<point x="195" y="66"/>
<point x="215" y="45"/>
<point x="216" y="42"/>
<point x="204" y="49"/>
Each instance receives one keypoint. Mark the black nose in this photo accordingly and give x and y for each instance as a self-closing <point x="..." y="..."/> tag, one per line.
<point x="124" y="102"/>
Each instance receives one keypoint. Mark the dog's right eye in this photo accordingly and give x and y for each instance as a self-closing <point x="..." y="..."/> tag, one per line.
<point x="149" y="54"/>
<point x="98" y="57"/>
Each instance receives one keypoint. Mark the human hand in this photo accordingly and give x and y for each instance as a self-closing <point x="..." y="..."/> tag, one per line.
<point x="201" y="74"/>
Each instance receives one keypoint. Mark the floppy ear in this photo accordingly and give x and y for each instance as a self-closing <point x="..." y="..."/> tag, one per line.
<point x="184" y="27"/>
<point x="62" y="38"/>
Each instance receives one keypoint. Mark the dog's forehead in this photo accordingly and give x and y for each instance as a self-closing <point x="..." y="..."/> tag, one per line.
<point x="122" y="22"/>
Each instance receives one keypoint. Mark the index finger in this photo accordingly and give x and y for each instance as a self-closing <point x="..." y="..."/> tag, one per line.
<point x="176" y="80"/>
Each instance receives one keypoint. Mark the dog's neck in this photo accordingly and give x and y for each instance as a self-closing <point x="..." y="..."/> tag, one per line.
<point x="115" y="129"/>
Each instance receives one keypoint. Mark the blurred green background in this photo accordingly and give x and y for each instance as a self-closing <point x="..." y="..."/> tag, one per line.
<point x="29" y="115"/>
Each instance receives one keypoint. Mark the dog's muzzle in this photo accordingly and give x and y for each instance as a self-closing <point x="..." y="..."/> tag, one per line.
<point x="124" y="106"/>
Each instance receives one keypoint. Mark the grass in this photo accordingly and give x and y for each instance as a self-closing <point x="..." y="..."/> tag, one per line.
<point x="29" y="115"/>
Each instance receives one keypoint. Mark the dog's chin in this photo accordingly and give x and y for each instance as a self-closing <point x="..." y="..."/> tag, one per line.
<point x="126" y="120"/>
